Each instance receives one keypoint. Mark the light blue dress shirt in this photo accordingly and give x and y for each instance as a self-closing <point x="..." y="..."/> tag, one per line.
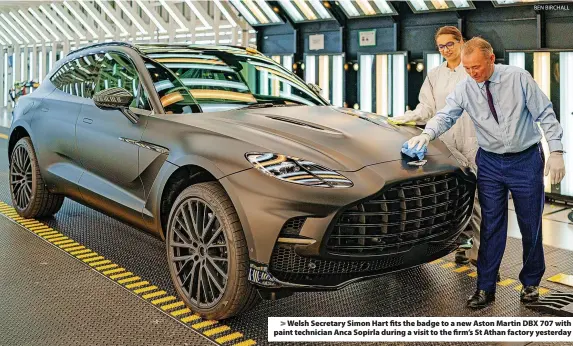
<point x="519" y="104"/>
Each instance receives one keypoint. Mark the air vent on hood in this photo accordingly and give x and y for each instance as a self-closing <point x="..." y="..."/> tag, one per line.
<point x="296" y="122"/>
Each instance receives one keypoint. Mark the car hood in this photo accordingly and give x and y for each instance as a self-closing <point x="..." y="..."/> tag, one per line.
<point x="339" y="138"/>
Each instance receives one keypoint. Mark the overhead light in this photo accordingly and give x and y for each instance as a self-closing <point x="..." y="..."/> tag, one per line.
<point x="131" y="17"/>
<point x="174" y="15"/>
<point x="365" y="8"/>
<point x="9" y="22"/>
<point x="34" y="37"/>
<point x="79" y="18"/>
<point x="112" y="17"/>
<point x="56" y="23"/>
<point x="504" y="3"/>
<point x="65" y="18"/>
<point x="96" y="18"/>
<point x="198" y="13"/>
<point x="43" y="23"/>
<point x="16" y="38"/>
<point x="305" y="10"/>
<point x="256" y="13"/>
<point x="424" y="6"/>
<point x="33" y="25"/>
<point x="151" y="16"/>
<point x="225" y="13"/>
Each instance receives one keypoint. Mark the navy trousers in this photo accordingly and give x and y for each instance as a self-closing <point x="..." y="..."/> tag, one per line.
<point x="522" y="174"/>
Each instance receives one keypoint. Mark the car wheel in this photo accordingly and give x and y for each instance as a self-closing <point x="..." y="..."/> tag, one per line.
<point x="30" y="196"/>
<point x="207" y="253"/>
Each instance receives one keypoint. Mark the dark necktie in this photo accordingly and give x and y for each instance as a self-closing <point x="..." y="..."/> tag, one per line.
<point x="490" y="101"/>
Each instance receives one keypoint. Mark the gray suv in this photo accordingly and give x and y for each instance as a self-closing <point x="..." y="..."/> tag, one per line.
<point x="257" y="185"/>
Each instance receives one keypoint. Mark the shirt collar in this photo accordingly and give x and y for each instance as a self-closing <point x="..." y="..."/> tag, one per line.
<point x="495" y="78"/>
<point x="457" y="69"/>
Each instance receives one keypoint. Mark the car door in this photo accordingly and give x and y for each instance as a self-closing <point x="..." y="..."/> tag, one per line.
<point x="53" y="126"/>
<point x="107" y="143"/>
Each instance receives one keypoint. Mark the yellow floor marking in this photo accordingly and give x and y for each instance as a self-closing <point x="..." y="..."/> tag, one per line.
<point x="145" y="289"/>
<point x="52" y="236"/>
<point x="61" y="242"/>
<point x="518" y="287"/>
<point x="448" y="265"/>
<point x="79" y="252"/>
<point x="88" y="260"/>
<point x="131" y="279"/>
<point x="180" y="312"/>
<point x="39" y="228"/>
<point x="29" y="224"/>
<point x="228" y="338"/>
<point x="72" y="247"/>
<point x="137" y="284"/>
<point x="56" y="236"/>
<point x="561" y="278"/>
<point x="154" y="294"/>
<point x="59" y="239"/>
<point x="543" y="291"/>
<point x="172" y="305"/>
<point x="462" y="269"/>
<point x="473" y="274"/>
<point x="42" y="234"/>
<point x="163" y="300"/>
<point x="217" y="330"/>
<point x="118" y="276"/>
<point x="87" y="255"/>
<point x="506" y="282"/>
<point x="437" y="261"/>
<point x="109" y="266"/>
<point x="191" y="318"/>
<point x="3" y="136"/>
<point x="249" y="342"/>
<point x="113" y="271"/>
<point x="204" y="324"/>
<point x="98" y="263"/>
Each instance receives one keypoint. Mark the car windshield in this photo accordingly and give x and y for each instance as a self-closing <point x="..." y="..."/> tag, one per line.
<point x="219" y="80"/>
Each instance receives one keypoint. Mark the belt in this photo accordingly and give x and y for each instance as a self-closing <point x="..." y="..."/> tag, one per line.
<point x="534" y="146"/>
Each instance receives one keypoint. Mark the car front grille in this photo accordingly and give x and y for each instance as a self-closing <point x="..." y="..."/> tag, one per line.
<point x="402" y="216"/>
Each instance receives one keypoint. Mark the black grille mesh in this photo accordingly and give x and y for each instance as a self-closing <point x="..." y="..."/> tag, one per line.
<point x="287" y="266"/>
<point x="293" y="226"/>
<point x="402" y="216"/>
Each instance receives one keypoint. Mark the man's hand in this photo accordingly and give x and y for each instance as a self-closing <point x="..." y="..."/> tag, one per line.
<point x="419" y="141"/>
<point x="555" y="166"/>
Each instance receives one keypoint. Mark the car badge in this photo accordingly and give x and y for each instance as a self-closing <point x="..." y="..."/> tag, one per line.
<point x="417" y="163"/>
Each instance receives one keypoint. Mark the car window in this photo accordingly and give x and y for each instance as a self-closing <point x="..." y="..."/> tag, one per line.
<point x="78" y="77"/>
<point x="174" y="96"/>
<point x="221" y="80"/>
<point x="214" y="85"/>
<point x="118" y="71"/>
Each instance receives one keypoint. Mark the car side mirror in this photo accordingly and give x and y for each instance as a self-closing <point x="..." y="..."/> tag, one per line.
<point x="116" y="99"/>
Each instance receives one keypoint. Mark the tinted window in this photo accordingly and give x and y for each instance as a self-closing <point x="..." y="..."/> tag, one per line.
<point x="174" y="96"/>
<point x="78" y="77"/>
<point x="118" y="71"/>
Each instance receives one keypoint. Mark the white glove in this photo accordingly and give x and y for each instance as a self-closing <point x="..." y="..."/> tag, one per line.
<point x="419" y="141"/>
<point x="556" y="167"/>
<point x="407" y="116"/>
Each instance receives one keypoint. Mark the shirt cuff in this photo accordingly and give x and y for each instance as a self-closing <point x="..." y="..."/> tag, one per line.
<point x="555" y="145"/>
<point x="430" y="133"/>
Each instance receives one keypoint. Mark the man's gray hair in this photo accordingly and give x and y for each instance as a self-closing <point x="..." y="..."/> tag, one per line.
<point x="477" y="43"/>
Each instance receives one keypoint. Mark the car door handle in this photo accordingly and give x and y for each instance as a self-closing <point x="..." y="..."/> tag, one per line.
<point x="88" y="120"/>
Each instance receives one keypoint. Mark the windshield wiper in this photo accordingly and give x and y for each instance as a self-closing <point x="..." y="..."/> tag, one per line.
<point x="259" y="105"/>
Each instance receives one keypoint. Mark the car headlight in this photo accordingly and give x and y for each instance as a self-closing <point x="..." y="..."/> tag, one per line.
<point x="296" y="170"/>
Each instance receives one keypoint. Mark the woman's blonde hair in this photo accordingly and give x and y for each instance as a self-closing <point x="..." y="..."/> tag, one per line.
<point x="449" y="30"/>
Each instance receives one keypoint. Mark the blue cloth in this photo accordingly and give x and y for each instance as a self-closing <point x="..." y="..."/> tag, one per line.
<point x="522" y="174"/>
<point x="413" y="152"/>
<point x="519" y="104"/>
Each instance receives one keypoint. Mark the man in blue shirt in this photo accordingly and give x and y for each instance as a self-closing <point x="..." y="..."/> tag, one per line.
<point x="505" y="105"/>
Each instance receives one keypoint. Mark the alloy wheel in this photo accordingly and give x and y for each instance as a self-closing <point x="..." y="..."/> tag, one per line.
<point x="198" y="252"/>
<point x="21" y="177"/>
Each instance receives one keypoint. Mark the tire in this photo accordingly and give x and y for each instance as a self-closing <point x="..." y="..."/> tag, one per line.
<point x="29" y="193"/>
<point x="214" y="297"/>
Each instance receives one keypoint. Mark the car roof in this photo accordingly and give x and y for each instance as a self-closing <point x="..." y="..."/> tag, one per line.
<point x="150" y="48"/>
